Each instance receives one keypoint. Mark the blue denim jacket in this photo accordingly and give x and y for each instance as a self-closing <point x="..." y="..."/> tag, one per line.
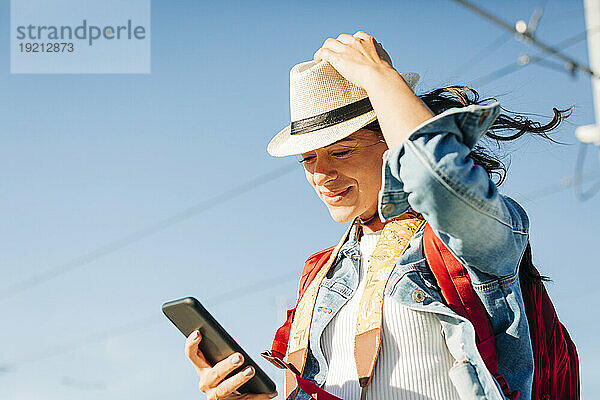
<point x="488" y="232"/>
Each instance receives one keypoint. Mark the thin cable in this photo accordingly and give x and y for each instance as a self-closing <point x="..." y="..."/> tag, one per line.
<point x="497" y="74"/>
<point x="253" y="288"/>
<point x="579" y="193"/>
<point x="513" y="67"/>
<point x="151" y="229"/>
<point x="98" y="337"/>
<point x="550" y="65"/>
<point x="563" y="184"/>
<point x="141" y="323"/>
<point x="482" y="54"/>
<point x="527" y="36"/>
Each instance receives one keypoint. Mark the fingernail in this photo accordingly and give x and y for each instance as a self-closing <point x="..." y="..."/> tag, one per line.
<point x="195" y="335"/>
<point x="248" y="371"/>
<point x="272" y="395"/>
<point x="236" y="359"/>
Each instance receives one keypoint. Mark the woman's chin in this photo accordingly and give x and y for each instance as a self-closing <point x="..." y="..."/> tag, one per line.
<point x="342" y="214"/>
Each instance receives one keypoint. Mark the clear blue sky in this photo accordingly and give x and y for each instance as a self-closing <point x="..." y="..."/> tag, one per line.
<point x="89" y="159"/>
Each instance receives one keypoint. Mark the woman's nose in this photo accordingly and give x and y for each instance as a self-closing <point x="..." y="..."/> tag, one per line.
<point x="323" y="171"/>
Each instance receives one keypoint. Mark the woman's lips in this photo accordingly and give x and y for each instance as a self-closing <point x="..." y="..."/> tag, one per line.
<point x="335" y="197"/>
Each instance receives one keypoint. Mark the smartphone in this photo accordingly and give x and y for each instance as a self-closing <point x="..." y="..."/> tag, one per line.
<point x="188" y="315"/>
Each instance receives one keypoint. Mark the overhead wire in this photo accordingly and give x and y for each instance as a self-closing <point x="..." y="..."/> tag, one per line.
<point x="541" y="60"/>
<point x="486" y="51"/>
<point x="187" y="213"/>
<point x="551" y="50"/>
<point x="253" y="288"/>
<point x="529" y="60"/>
<point x="580" y="194"/>
<point x="127" y="240"/>
<point x="557" y="187"/>
<point x="140" y="323"/>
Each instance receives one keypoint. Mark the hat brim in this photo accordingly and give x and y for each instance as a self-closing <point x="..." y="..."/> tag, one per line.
<point x="284" y="144"/>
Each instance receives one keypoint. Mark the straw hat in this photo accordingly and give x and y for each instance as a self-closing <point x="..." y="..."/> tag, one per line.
<point x="324" y="108"/>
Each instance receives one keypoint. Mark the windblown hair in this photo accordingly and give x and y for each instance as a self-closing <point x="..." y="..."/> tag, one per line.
<point x="507" y="127"/>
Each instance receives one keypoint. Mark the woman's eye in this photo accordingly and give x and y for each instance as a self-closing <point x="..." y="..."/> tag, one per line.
<point x="306" y="160"/>
<point x="341" y="153"/>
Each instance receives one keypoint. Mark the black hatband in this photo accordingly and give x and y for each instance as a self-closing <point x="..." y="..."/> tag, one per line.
<point x="331" y="118"/>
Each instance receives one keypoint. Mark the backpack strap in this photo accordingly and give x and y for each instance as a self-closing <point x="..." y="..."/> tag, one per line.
<point x="455" y="285"/>
<point x="393" y="241"/>
<point x="311" y="267"/>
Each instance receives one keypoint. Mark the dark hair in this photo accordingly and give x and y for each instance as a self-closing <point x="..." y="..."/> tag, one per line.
<point x="508" y="126"/>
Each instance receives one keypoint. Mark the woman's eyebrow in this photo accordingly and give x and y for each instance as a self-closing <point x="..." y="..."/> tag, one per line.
<point x="346" y="139"/>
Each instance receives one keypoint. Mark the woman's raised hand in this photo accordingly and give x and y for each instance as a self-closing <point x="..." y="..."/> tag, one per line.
<point x="356" y="57"/>
<point x="212" y="378"/>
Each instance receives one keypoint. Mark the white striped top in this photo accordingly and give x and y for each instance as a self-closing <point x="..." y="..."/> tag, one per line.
<point x="413" y="361"/>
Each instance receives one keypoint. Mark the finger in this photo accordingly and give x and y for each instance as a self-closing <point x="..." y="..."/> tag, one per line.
<point x="193" y="352"/>
<point x="334" y="44"/>
<point x="264" y="396"/>
<point x="378" y="47"/>
<point x="346" y="39"/>
<point x="365" y="39"/>
<point x="363" y="35"/>
<point x="214" y="376"/>
<point x="246" y="396"/>
<point x="230" y="385"/>
<point x="351" y="41"/>
<point x="326" y="54"/>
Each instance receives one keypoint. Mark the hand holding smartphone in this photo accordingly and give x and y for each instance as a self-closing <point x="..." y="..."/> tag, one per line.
<point x="218" y="350"/>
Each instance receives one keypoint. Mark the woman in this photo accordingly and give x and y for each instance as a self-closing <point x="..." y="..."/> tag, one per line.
<point x="388" y="161"/>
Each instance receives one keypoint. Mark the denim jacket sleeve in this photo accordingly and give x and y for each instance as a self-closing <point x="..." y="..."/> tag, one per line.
<point x="430" y="172"/>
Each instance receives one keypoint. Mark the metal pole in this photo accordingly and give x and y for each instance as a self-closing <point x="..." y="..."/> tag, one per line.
<point x="591" y="133"/>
